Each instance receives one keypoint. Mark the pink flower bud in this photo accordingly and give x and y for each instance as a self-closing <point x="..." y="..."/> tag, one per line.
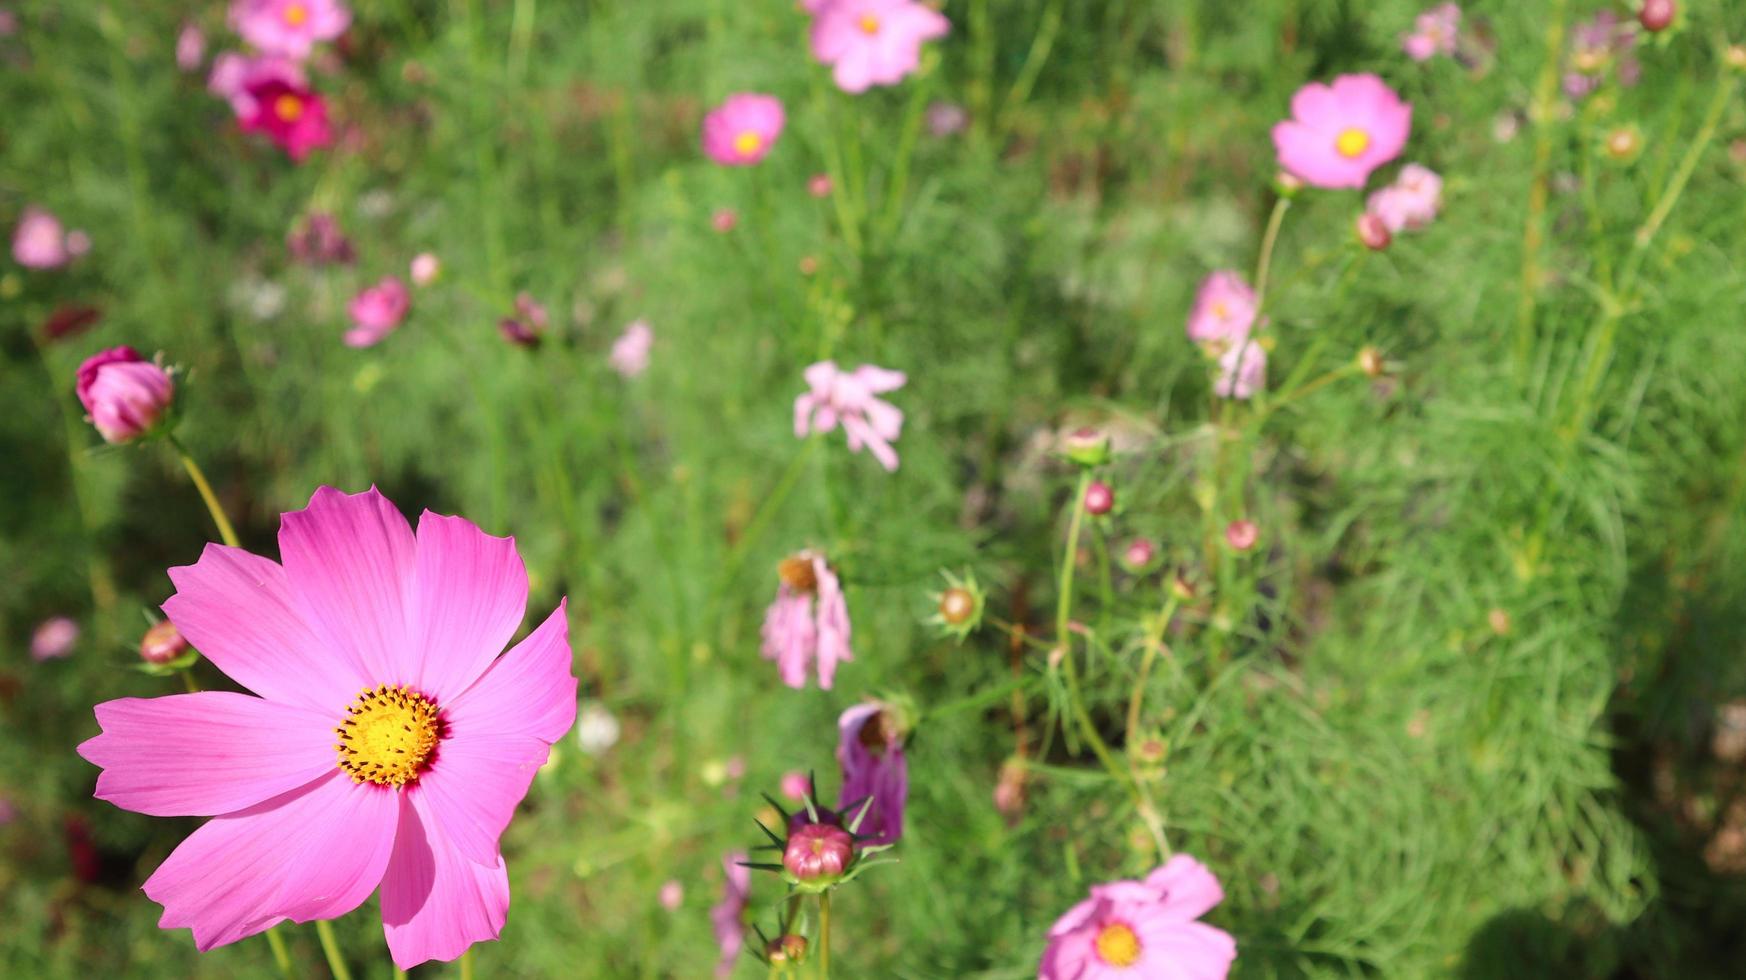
<point x="817" y="850"/>
<point x="125" y="395"/>
<point x="1138" y="554"/>
<point x="672" y="894"/>
<point x="1242" y="535"/>
<point x="1657" y="15"/>
<point x="162" y="643"/>
<point x="796" y="785"/>
<point x="819" y="185"/>
<point x="1099" y="498"/>
<point x="1373" y="231"/>
<point x="425" y="269"/>
<point x="53" y="639"/>
<point x="724" y="220"/>
<point x="786" y="949"/>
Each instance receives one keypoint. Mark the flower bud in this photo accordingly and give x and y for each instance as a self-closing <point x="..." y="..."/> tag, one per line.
<point x="817" y="852"/>
<point x="1099" y="498"/>
<point x="957" y="606"/>
<point x="724" y="220"/>
<point x="819" y="185"/>
<point x="1287" y="184"/>
<point x="1086" y="446"/>
<point x="1139" y="554"/>
<point x="1657" y="15"/>
<point x="1736" y="57"/>
<point x="1373" y="231"/>
<point x="1623" y="143"/>
<point x="125" y="395"/>
<point x="1242" y="535"/>
<point x="1371" y="363"/>
<point x="425" y="269"/>
<point x="786" y="949"/>
<point x="518" y="332"/>
<point x="162" y="643"/>
<point x="1181" y="587"/>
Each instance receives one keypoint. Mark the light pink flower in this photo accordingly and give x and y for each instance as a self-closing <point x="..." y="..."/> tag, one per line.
<point x="377" y="311"/>
<point x="234" y="74"/>
<point x="1224" y="309"/>
<point x="190" y="47"/>
<point x="292" y="116"/>
<point x="630" y="352"/>
<point x="53" y="639"/>
<point x="1411" y="202"/>
<point x="835" y="396"/>
<point x="672" y="894"/>
<point x="8" y="22"/>
<point x="390" y="641"/>
<point x="870" y="752"/>
<point x="39" y="241"/>
<point x="741" y="131"/>
<point x="1434" y="32"/>
<point x="1142" y="929"/>
<point x="125" y="396"/>
<point x="1242" y="371"/>
<point x="728" y="916"/>
<point x="873" y="42"/>
<point x="1339" y="133"/>
<point x="796" y="785"/>
<point x="807" y="622"/>
<point x="1242" y="535"/>
<point x="425" y="268"/>
<point x="289" y="28"/>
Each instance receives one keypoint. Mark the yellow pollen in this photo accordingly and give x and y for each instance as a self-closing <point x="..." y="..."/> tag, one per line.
<point x="388" y="736"/>
<point x="1117" y="945"/>
<point x="1220" y="310"/>
<point x="869" y="24"/>
<point x="1352" y="142"/>
<point x="296" y="14"/>
<point x="747" y="143"/>
<point x="288" y="108"/>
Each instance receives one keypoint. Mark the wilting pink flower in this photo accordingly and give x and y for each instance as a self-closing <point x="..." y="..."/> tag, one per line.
<point x="741" y="131"/>
<point x="1242" y="535"/>
<point x="630" y="352"/>
<point x="1142" y="929"/>
<point x="291" y="116"/>
<point x="796" y="785"/>
<point x="848" y="397"/>
<point x="1242" y="370"/>
<point x="1434" y="32"/>
<point x="1339" y="133"/>
<point x="234" y="74"/>
<point x="389" y="641"/>
<point x="425" y="269"/>
<point x="672" y="895"/>
<point x="190" y="47"/>
<point x="377" y="311"/>
<point x="873" y="42"/>
<point x="39" y="242"/>
<point x="289" y="28"/>
<point x="53" y="639"/>
<point x="870" y="752"/>
<point x="125" y="396"/>
<point x="728" y="916"/>
<point x="1411" y="202"/>
<point x="319" y="241"/>
<point x="1605" y="41"/>
<point x="808" y="621"/>
<point x="1224" y="309"/>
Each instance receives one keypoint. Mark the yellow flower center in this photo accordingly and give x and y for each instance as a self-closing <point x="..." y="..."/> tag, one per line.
<point x="1117" y="945"/>
<point x="869" y="24"/>
<point x="747" y="143"/>
<point x="1352" y="142"/>
<point x="388" y="736"/>
<point x="288" y="108"/>
<point x="296" y="14"/>
<point x="1220" y="309"/>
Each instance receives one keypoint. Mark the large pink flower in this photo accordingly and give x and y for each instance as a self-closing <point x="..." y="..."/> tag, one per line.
<point x="1224" y="309"/>
<point x="289" y="28"/>
<point x="807" y="622"/>
<point x="292" y="116"/>
<point x="870" y="752"/>
<point x="1143" y="929"/>
<point x="741" y="131"/>
<point x="125" y="396"/>
<point x="847" y="397"/>
<point x="389" y="744"/>
<point x="873" y="42"/>
<point x="1339" y="133"/>
<point x="377" y="312"/>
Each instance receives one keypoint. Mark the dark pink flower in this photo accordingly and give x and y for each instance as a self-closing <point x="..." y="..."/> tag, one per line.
<point x="234" y="74"/>
<point x="870" y="752"/>
<point x="292" y="116"/>
<point x="125" y="395"/>
<point x="377" y="312"/>
<point x="817" y="851"/>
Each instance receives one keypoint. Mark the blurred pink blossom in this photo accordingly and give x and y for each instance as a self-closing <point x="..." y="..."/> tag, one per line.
<point x="1411" y="202"/>
<point x="870" y="752"/>
<point x="630" y="352"/>
<point x="319" y="240"/>
<point x="289" y="28"/>
<point x="848" y="397"/>
<point x="377" y="311"/>
<point x="724" y="220"/>
<point x="873" y="42"/>
<point x="741" y="131"/>
<point x="1339" y="133"/>
<point x="39" y="241"/>
<point x="425" y="269"/>
<point x="1224" y="309"/>
<point x="796" y="785"/>
<point x="1434" y="32"/>
<point x="125" y="395"/>
<point x="292" y="116"/>
<point x="807" y="622"/>
<point x="234" y="74"/>
<point x="190" y="47"/>
<point x="1242" y="371"/>
<point x="728" y="916"/>
<point x="53" y="639"/>
<point x="672" y="895"/>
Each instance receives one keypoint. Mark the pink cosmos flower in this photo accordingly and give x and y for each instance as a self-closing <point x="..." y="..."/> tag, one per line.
<point x="1434" y="32"/>
<point x="377" y="311"/>
<point x="125" y="396"/>
<point x="1143" y="929"/>
<point x="289" y="28"/>
<point x="808" y="621"/>
<point x="630" y="352"/>
<point x="39" y="241"/>
<point x="1242" y="535"/>
<point x="234" y="74"/>
<point x="847" y="397"/>
<point x="1411" y="202"/>
<point x="870" y="751"/>
<point x="796" y="785"/>
<point x="741" y="131"/>
<point x="190" y="47"/>
<point x="53" y="639"/>
<point x="873" y="42"/>
<point x="1224" y="309"/>
<point x="1339" y="133"/>
<point x="389" y="744"/>
<point x="728" y="916"/>
<point x="1242" y="371"/>
<point x="291" y="116"/>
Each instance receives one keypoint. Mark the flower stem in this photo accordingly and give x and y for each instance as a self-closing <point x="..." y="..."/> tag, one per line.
<point x="281" y="955"/>
<point x="1063" y="637"/>
<point x="1154" y="645"/>
<point x="330" y="948"/>
<point x="1539" y="189"/>
<point x="226" y="533"/>
<point x="1264" y="264"/>
<point x="467" y="964"/>
<point x="824" y="935"/>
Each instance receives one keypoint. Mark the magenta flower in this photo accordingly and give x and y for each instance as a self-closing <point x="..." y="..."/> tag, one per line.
<point x="1242" y="371"/>
<point x="728" y="916"/>
<point x="836" y="396"/>
<point x="190" y="47"/>
<point x="39" y="241"/>
<point x="377" y="312"/>
<point x="125" y="396"/>
<point x="292" y="116"/>
<point x="630" y="352"/>
<point x="53" y="639"/>
<point x="796" y="785"/>
<point x="1339" y="133"/>
<point x="1434" y="32"/>
<point x="870" y="751"/>
<point x="234" y="74"/>
<point x="808" y="621"/>
<point x="741" y="131"/>
<point x="1224" y="309"/>
<point x="389" y="641"/>
<point x="289" y="28"/>
<point x="1143" y="929"/>
<point x="1411" y="202"/>
<point x="873" y="42"/>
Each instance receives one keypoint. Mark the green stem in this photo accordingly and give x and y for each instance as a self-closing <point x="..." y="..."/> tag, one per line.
<point x="1539" y="189"/>
<point x="330" y="948"/>
<point x="1064" y="636"/>
<point x="898" y="189"/>
<point x="824" y="935"/>
<point x="1154" y="646"/>
<point x="1041" y="45"/>
<point x="226" y="533"/>
<point x="467" y="964"/>
<point x="281" y="955"/>
<point x="1264" y="264"/>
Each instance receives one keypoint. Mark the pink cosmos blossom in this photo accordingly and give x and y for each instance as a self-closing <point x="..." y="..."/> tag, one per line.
<point x="1604" y="41"/>
<point x="870" y="752"/>
<point x="835" y="396"/>
<point x="190" y="47"/>
<point x="873" y="42"/>
<point x="1224" y="309"/>
<point x="53" y="639"/>
<point x="741" y="131"/>
<point x="1434" y="32"/>
<point x="1242" y="371"/>
<point x="728" y="916"/>
<point x="377" y="311"/>
<point x="1137" y="929"/>
<point x="390" y="641"/>
<point x="125" y="396"/>
<point x="39" y="241"/>
<point x="807" y="622"/>
<point x="1339" y="133"/>
<point x="425" y="269"/>
<point x="234" y="74"/>
<point x="289" y="28"/>
<point x="796" y="785"/>
<point x="292" y="116"/>
<point x="630" y="352"/>
<point x="1411" y="202"/>
<point x="1242" y="535"/>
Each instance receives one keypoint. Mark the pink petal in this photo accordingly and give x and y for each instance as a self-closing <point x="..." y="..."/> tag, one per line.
<point x="468" y="596"/>
<point x="237" y="610"/>
<point x="435" y="902"/>
<point x="1189" y="888"/>
<point x="351" y="559"/>
<point x="1188" y="950"/>
<point x="314" y="853"/>
<point x="474" y="785"/>
<point x="208" y="753"/>
<point x="528" y="691"/>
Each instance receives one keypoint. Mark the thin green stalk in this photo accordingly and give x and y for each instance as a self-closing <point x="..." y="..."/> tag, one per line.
<point x="824" y="935"/>
<point x="226" y="533"/>
<point x="1154" y="646"/>
<point x="1064" y="636"/>
<point x="898" y="188"/>
<point x="1544" y="110"/>
<point x="467" y="964"/>
<point x="1264" y="263"/>
<point x="336" y="963"/>
<point x="1043" y="43"/>
<point x="281" y="955"/>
